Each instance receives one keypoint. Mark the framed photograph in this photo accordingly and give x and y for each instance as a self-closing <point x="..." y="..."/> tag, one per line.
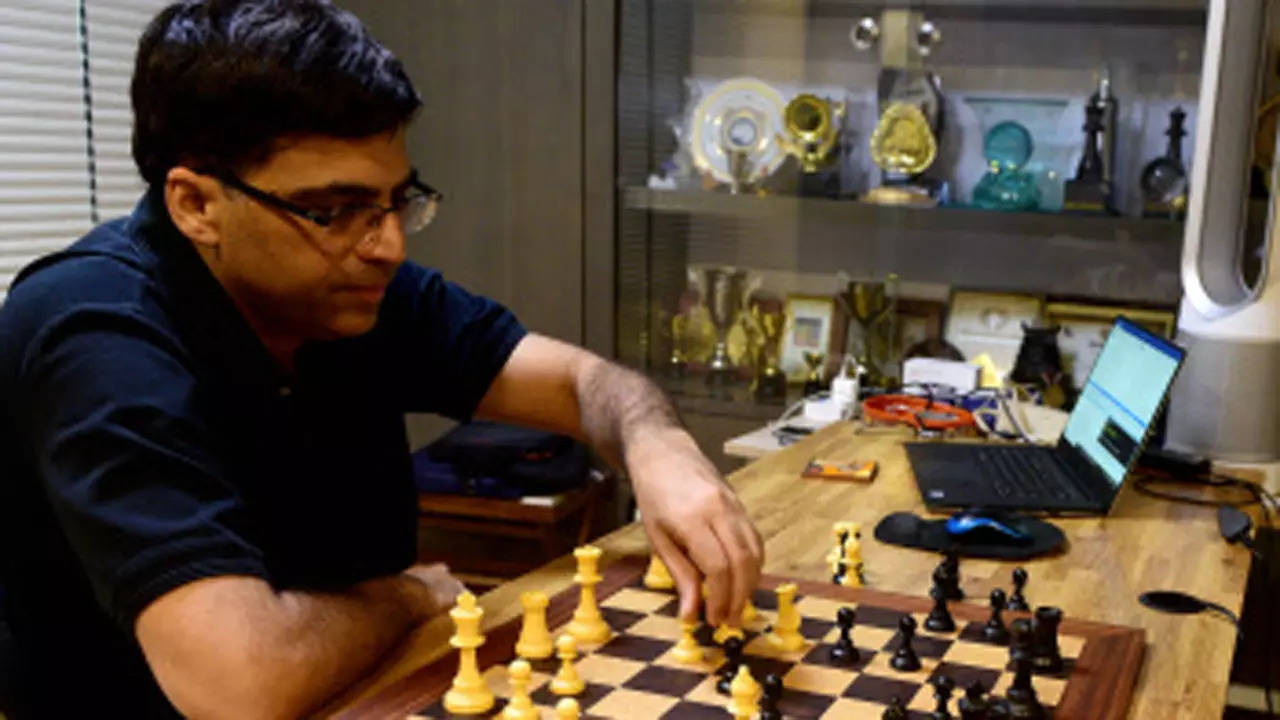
<point x="809" y="324"/>
<point x="1085" y="327"/>
<point x="918" y="322"/>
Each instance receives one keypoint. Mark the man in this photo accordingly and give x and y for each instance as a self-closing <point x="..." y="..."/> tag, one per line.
<point x="207" y="505"/>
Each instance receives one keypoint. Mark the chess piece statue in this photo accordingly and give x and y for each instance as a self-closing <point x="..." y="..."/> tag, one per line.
<point x="995" y="631"/>
<point x="468" y="694"/>
<point x="1046" y="658"/>
<point x="535" y="641"/>
<point x="657" y="577"/>
<point x="588" y="625"/>
<point x="1017" y="600"/>
<point x="905" y="658"/>
<point x="567" y="680"/>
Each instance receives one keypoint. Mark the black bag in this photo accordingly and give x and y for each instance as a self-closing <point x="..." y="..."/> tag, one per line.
<point x="497" y="460"/>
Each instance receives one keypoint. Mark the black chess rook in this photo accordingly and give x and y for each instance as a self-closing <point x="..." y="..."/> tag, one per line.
<point x="1046" y="658"/>
<point x="1021" y="696"/>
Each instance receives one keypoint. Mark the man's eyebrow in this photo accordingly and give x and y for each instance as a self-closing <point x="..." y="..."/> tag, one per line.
<point x="347" y="189"/>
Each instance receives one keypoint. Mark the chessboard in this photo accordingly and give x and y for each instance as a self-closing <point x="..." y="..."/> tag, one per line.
<point x="632" y="676"/>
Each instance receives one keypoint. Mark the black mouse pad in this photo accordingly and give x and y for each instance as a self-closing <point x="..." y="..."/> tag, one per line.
<point x="908" y="530"/>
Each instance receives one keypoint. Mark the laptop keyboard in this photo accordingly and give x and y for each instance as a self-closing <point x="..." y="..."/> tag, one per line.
<point x="1021" y="474"/>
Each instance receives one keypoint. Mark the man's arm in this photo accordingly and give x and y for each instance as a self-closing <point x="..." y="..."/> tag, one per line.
<point x="232" y="647"/>
<point x="693" y="519"/>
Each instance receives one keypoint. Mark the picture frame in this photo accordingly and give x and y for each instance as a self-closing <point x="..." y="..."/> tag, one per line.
<point x="809" y="326"/>
<point x="919" y="321"/>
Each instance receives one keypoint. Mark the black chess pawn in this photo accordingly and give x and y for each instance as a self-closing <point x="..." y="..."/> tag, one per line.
<point x="1046" y="658"/>
<point x="1021" y="696"/>
<point x="843" y="652"/>
<point x="947" y="576"/>
<point x="772" y="686"/>
<point x="1018" y="601"/>
<point x="733" y="659"/>
<point x="974" y="704"/>
<point x="943" y="686"/>
<point x="995" y="631"/>
<point x="895" y="711"/>
<point x="939" y="619"/>
<point x="905" y="658"/>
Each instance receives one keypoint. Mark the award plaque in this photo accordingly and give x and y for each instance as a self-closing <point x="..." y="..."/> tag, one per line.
<point x="903" y="146"/>
<point x="812" y="134"/>
<point x="1006" y="186"/>
<point x="733" y="133"/>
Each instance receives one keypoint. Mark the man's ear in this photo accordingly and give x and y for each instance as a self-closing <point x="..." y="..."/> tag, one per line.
<point x="197" y="204"/>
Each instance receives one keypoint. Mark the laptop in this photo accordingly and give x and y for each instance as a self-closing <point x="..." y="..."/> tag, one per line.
<point x="1103" y="438"/>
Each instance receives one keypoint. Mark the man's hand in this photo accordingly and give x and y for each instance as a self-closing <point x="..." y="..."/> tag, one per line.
<point x="443" y="589"/>
<point x="695" y="523"/>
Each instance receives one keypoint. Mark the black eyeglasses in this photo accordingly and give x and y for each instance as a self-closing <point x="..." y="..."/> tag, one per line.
<point x="415" y="205"/>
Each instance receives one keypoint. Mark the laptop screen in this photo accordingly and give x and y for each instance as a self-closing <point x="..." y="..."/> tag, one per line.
<point x="1121" y="398"/>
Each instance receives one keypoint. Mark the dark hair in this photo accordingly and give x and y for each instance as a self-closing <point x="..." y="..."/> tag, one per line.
<point x="218" y="82"/>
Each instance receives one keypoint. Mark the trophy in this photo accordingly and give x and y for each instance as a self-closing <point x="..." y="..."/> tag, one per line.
<point x="724" y="290"/>
<point x="1089" y="191"/>
<point x="767" y="319"/>
<point x="903" y="146"/>
<point x="1006" y="186"/>
<point x="733" y="133"/>
<point x="1164" y="180"/>
<point x="871" y="336"/>
<point x="812" y="131"/>
<point x="692" y="333"/>
<point x="814" y="382"/>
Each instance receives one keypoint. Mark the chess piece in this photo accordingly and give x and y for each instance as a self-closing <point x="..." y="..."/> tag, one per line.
<point x="520" y="706"/>
<point x="1046" y="658"/>
<point x="687" y="650"/>
<point x="749" y="612"/>
<point x="843" y="532"/>
<point x="535" y="641"/>
<point x="468" y="694"/>
<point x="724" y="632"/>
<point x="947" y="576"/>
<point x="657" y="577"/>
<point x="974" y="704"/>
<point x="844" y="651"/>
<point x="588" y="625"/>
<point x="1021" y="696"/>
<point x="939" y="619"/>
<point x="567" y="681"/>
<point x="852" y="576"/>
<point x="1018" y="601"/>
<point x="943" y="686"/>
<point x="769" y="700"/>
<point x="994" y="631"/>
<point x="905" y="658"/>
<point x="732" y="661"/>
<point x="744" y="691"/>
<point x="786" y="630"/>
<point x="895" y="711"/>
<point x="567" y="709"/>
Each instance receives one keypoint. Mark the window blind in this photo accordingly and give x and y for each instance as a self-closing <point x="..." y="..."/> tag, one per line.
<point x="64" y="144"/>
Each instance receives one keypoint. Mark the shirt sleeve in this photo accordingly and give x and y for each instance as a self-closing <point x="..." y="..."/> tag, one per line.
<point x="113" y="427"/>
<point x="451" y="343"/>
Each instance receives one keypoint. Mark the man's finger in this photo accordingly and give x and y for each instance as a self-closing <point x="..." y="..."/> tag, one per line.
<point x="709" y="556"/>
<point x="685" y="575"/>
<point x="743" y="570"/>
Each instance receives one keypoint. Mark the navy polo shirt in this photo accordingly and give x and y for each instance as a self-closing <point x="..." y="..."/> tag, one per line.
<point x="148" y="440"/>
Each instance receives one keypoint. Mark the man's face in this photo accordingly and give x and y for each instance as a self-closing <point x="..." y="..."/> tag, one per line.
<point x="295" y="277"/>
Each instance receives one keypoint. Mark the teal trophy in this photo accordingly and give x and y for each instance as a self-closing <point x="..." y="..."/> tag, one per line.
<point x="1006" y="186"/>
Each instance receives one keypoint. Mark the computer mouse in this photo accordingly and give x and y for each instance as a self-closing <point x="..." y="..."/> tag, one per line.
<point x="976" y="527"/>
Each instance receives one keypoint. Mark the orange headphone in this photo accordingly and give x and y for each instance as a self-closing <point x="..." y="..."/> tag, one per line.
<point x="920" y="413"/>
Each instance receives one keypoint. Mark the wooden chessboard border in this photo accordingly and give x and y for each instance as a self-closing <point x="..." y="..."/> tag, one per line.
<point x="1112" y="654"/>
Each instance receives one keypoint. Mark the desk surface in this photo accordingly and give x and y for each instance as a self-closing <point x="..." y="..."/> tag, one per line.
<point x="1144" y="544"/>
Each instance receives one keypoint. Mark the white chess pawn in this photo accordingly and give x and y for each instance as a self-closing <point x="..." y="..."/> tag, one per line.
<point x="520" y="707"/>
<point x="687" y="650"/>
<point x="567" y="681"/>
<point x="658" y="577"/>
<point x="567" y="709"/>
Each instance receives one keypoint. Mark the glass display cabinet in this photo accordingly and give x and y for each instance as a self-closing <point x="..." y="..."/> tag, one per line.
<point x="805" y="186"/>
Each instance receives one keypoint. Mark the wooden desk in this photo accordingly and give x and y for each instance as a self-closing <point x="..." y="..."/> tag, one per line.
<point x="1144" y="544"/>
